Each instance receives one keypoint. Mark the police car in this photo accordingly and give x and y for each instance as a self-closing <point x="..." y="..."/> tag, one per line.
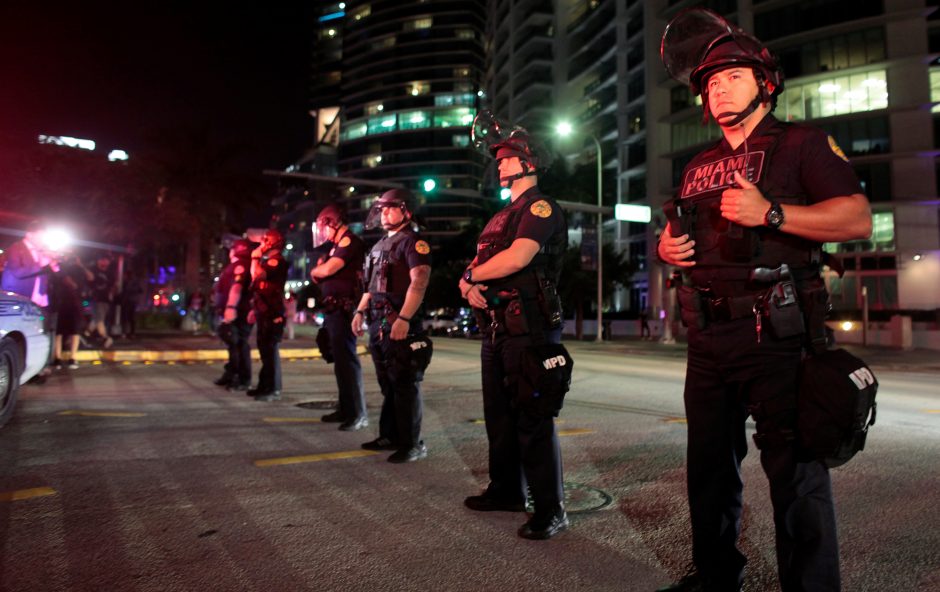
<point x="24" y="348"/>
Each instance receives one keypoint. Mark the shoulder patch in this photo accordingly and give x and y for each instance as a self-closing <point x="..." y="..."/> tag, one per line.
<point x="345" y="241"/>
<point x="239" y="269"/>
<point x="835" y="148"/>
<point x="541" y="208"/>
<point x="422" y="247"/>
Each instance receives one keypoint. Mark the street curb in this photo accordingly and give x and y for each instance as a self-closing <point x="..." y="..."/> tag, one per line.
<point x="195" y="355"/>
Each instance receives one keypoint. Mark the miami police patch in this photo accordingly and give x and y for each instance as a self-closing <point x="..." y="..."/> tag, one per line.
<point x="719" y="175"/>
<point x="541" y="208"/>
<point x="422" y="247"/>
<point x="836" y="150"/>
<point x="344" y="242"/>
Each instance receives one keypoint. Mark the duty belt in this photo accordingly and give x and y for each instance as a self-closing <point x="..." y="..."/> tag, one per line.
<point x="728" y="308"/>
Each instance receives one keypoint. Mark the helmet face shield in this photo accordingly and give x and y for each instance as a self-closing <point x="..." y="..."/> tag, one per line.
<point x="328" y="221"/>
<point x="698" y="42"/>
<point x="393" y="198"/>
<point x="488" y="131"/>
<point x="687" y="40"/>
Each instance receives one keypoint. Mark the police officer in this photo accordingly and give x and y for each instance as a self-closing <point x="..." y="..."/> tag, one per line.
<point x="396" y="277"/>
<point x="511" y="285"/>
<point x="339" y="278"/>
<point x="232" y="305"/>
<point x="268" y="276"/>
<point x="746" y="228"/>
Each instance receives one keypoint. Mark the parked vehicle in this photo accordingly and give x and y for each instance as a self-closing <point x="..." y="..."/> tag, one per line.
<point x="24" y="348"/>
<point x="440" y="323"/>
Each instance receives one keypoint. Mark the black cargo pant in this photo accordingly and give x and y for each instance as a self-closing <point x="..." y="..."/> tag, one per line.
<point x="238" y="368"/>
<point x="729" y="377"/>
<point x="523" y="448"/>
<point x="400" y="420"/>
<point x="346" y="365"/>
<point x="270" y="333"/>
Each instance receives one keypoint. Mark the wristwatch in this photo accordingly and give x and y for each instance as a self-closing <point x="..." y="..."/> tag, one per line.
<point x="774" y="216"/>
<point x="468" y="276"/>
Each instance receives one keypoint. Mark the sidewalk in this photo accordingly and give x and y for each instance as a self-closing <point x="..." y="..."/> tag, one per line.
<point x="915" y="360"/>
<point x="175" y="345"/>
<point x="178" y="346"/>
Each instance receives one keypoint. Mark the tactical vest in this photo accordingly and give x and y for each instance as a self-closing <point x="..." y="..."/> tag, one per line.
<point x="377" y="268"/>
<point x="499" y="234"/>
<point x="719" y="243"/>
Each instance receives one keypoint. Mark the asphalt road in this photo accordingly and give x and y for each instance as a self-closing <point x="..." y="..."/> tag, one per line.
<point x="147" y="477"/>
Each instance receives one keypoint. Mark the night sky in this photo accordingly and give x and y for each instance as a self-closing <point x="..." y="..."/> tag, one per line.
<point x="122" y="72"/>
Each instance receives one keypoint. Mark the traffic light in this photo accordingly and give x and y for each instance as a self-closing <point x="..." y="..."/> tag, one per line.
<point x="429" y="185"/>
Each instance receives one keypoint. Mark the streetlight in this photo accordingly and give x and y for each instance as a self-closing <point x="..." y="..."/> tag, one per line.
<point x="565" y="129"/>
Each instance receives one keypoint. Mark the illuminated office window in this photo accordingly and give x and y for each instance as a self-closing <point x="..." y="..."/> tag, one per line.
<point x="451" y="100"/>
<point x="838" y="95"/>
<point x="372" y="161"/>
<point x="374" y="108"/>
<point x="418" y="87"/>
<point x="935" y="89"/>
<point x="383" y="124"/>
<point x="354" y="130"/>
<point x="418" y="24"/>
<point x="459" y="116"/>
<point x="414" y="120"/>
<point x="360" y="13"/>
<point x="466" y="34"/>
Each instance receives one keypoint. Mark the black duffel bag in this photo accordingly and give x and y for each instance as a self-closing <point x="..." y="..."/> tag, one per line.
<point x="226" y="333"/>
<point x="546" y="377"/>
<point x="836" y="405"/>
<point x="414" y="352"/>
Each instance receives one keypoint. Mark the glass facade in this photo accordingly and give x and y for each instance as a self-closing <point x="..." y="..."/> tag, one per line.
<point x="839" y="95"/>
<point x="383" y="123"/>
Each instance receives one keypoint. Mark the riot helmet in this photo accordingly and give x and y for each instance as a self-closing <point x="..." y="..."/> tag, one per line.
<point x="240" y="249"/>
<point x="330" y="219"/>
<point x="501" y="140"/>
<point x="697" y="43"/>
<point x="272" y="240"/>
<point x="393" y="198"/>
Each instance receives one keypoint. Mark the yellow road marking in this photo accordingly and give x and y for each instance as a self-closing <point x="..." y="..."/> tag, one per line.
<point x="101" y="413"/>
<point x="125" y="363"/>
<point x="575" y="432"/>
<point x="292" y="460"/>
<point x="291" y="419"/>
<point x="931" y="410"/>
<point x="675" y="420"/>
<point x="96" y="363"/>
<point x="21" y="494"/>
<point x="202" y="355"/>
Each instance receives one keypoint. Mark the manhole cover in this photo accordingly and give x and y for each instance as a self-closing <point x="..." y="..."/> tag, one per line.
<point x="581" y="499"/>
<point x="317" y="405"/>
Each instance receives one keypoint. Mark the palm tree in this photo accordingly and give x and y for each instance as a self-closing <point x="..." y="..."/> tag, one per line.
<point x="579" y="286"/>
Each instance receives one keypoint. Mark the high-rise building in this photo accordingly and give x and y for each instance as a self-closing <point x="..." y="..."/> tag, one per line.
<point x="863" y="70"/>
<point x="395" y="88"/>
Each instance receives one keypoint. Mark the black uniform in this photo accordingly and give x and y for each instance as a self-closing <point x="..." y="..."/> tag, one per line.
<point x="267" y="300"/>
<point x="739" y="367"/>
<point x="387" y="275"/>
<point x="238" y="369"/>
<point x="523" y="447"/>
<point x="341" y="293"/>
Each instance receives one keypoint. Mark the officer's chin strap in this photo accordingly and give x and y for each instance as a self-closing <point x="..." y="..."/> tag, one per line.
<point x="526" y="172"/>
<point x="762" y="97"/>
